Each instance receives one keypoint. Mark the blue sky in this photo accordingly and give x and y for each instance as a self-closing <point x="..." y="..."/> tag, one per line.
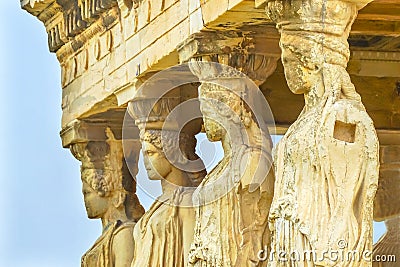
<point x="43" y="220"/>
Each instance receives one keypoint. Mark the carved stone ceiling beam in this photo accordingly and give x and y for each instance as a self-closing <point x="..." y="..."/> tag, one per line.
<point x="380" y="7"/>
<point x="379" y="18"/>
<point x="389" y="137"/>
<point x="376" y="28"/>
<point x="375" y="64"/>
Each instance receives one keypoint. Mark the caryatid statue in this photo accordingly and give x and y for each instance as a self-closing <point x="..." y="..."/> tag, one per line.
<point x="233" y="200"/>
<point x="326" y="165"/>
<point x="164" y="234"/>
<point x="109" y="192"/>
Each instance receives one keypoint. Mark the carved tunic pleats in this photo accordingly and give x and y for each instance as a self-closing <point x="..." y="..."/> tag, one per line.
<point x="324" y="186"/>
<point x="158" y="234"/>
<point x="100" y="254"/>
<point x="231" y="230"/>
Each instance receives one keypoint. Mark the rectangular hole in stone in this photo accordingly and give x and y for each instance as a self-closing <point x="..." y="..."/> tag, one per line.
<point x="344" y="131"/>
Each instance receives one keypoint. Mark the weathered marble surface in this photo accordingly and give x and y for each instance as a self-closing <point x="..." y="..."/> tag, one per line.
<point x="234" y="198"/>
<point x="326" y="165"/>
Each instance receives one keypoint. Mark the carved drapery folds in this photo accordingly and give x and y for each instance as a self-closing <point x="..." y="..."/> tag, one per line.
<point x="326" y="165"/>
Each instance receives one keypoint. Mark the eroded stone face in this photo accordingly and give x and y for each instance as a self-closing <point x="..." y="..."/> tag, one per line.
<point x="96" y="205"/>
<point x="300" y="77"/>
<point x="213" y="128"/>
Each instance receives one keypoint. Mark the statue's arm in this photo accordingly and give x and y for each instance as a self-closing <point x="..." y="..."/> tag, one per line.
<point x="123" y="247"/>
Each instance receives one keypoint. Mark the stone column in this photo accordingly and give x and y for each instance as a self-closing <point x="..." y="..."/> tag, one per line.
<point x="387" y="207"/>
<point x="108" y="186"/>
<point x="234" y="199"/>
<point x="327" y="163"/>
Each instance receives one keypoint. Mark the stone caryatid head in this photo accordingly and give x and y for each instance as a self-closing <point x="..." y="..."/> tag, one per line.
<point x="223" y="111"/>
<point x="109" y="189"/>
<point x="109" y="193"/>
<point x="230" y="99"/>
<point x="164" y="151"/>
<point x="168" y="138"/>
<point x="314" y="35"/>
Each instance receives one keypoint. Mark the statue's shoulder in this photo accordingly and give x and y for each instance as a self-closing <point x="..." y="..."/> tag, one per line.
<point x="123" y="227"/>
<point x="183" y="197"/>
